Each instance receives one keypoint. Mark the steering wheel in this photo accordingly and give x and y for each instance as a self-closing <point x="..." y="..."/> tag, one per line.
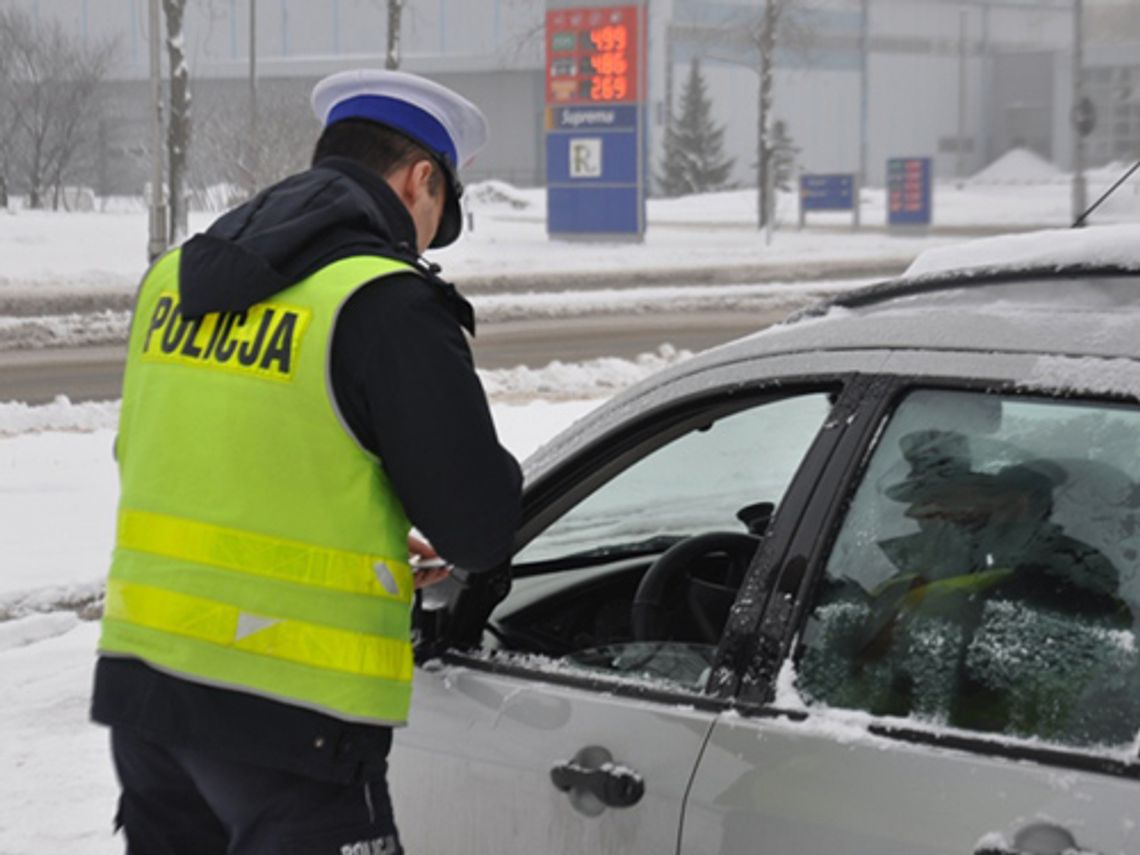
<point x="649" y="612"/>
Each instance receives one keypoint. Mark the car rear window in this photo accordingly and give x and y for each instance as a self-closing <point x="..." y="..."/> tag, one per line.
<point x="987" y="573"/>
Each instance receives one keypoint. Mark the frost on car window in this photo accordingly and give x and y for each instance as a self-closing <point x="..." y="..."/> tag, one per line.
<point x="987" y="575"/>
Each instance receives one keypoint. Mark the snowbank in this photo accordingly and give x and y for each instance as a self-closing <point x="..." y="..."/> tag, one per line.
<point x="1019" y="166"/>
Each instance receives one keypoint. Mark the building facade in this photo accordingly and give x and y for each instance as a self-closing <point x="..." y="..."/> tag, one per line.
<point x="856" y="81"/>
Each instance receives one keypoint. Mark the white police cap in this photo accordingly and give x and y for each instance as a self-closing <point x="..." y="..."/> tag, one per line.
<point x="443" y="122"/>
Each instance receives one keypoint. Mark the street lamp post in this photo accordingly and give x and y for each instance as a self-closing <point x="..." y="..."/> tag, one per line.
<point x="254" y="147"/>
<point x="157" y="243"/>
<point x="1080" y="189"/>
<point x="864" y="88"/>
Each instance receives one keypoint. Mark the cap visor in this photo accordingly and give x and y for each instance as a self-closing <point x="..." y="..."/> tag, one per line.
<point x="450" y="224"/>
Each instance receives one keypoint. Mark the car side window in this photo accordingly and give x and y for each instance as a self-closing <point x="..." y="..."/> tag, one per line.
<point x="987" y="572"/>
<point x="637" y="578"/>
<point x="698" y="482"/>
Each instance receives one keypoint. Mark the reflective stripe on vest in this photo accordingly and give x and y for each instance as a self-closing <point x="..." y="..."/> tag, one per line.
<point x="259" y="547"/>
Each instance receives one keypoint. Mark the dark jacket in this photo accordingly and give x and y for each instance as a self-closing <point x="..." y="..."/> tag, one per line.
<point x="404" y="380"/>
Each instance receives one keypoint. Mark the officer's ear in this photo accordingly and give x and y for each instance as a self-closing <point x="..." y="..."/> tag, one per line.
<point x="426" y="175"/>
<point x="412" y="181"/>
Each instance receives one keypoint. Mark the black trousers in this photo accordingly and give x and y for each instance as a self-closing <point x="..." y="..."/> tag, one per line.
<point x="178" y="801"/>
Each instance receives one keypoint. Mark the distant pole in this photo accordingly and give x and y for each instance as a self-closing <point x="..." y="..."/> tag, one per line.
<point x="254" y="147"/>
<point x="985" y="93"/>
<point x="667" y="119"/>
<point x="1080" y="190"/>
<point x="395" y="10"/>
<point x="864" y="89"/>
<point x="960" y="169"/>
<point x="770" y="197"/>
<point x="157" y="243"/>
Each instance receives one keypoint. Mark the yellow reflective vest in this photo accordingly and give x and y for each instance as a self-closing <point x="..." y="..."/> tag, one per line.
<point x="260" y="548"/>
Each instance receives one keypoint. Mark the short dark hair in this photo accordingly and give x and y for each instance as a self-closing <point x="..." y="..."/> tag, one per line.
<point x="380" y="148"/>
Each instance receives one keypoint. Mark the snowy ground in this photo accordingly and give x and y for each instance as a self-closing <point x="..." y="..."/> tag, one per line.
<point x="103" y="252"/>
<point x="57" y="503"/>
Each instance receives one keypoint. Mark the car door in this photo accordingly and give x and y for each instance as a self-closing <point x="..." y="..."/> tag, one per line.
<point x="957" y="669"/>
<point x="561" y="732"/>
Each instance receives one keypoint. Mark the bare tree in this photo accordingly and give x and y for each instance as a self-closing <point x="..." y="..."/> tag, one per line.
<point x="780" y="23"/>
<point x="52" y="82"/>
<point x="178" y="129"/>
<point x="8" y="104"/>
<point x="752" y="38"/>
<point x="224" y="153"/>
<point x="1113" y="22"/>
<point x="525" y="38"/>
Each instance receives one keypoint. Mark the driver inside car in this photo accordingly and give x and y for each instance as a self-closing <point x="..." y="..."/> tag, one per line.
<point x="981" y="532"/>
<point x="986" y="543"/>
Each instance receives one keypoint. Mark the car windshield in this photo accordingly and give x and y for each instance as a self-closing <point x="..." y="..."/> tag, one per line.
<point x="987" y="573"/>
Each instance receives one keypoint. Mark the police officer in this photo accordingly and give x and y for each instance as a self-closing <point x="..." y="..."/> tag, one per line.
<point x="298" y="393"/>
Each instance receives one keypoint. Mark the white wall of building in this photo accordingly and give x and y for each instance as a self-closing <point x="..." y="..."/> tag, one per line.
<point x="915" y="67"/>
<point x="488" y="33"/>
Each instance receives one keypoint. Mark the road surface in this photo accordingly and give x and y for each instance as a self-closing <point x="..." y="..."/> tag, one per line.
<point x="95" y="373"/>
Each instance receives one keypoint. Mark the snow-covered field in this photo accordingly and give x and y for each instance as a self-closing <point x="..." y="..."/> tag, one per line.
<point x="104" y="252"/>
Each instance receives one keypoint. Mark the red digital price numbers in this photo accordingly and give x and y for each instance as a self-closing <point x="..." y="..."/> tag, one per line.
<point x="592" y="55"/>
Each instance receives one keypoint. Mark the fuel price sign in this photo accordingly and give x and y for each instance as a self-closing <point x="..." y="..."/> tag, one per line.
<point x="592" y="56"/>
<point x="595" y="120"/>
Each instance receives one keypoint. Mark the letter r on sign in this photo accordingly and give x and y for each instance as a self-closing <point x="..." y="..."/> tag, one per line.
<point x="586" y="157"/>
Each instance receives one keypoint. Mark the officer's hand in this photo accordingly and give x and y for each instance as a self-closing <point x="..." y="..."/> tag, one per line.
<point x="418" y="548"/>
<point x="428" y="568"/>
<point x="430" y="576"/>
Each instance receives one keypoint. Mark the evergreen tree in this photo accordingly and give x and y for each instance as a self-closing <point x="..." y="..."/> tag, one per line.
<point x="694" y="160"/>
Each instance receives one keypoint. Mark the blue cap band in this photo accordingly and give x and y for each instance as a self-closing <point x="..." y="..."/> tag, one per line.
<point x="404" y="117"/>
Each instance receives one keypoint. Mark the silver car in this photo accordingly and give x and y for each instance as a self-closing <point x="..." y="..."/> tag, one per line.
<point x="867" y="582"/>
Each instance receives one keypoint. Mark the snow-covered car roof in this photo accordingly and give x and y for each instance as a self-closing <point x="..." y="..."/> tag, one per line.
<point x="1066" y="292"/>
<point x="1057" y="310"/>
<point x="1099" y="246"/>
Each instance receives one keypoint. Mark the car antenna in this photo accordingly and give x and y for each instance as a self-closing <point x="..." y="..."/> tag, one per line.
<point x="1080" y="221"/>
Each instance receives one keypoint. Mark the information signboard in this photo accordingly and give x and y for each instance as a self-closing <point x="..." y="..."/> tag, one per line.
<point x="595" y="115"/>
<point x="828" y="193"/>
<point x="909" y="191"/>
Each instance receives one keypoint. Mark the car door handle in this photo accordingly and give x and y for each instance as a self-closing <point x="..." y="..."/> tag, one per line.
<point x="1040" y="838"/>
<point x="611" y="784"/>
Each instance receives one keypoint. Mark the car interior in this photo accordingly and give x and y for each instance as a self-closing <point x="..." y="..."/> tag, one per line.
<point x="636" y="577"/>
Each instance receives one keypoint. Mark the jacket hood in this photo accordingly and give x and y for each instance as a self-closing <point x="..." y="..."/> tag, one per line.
<point x="292" y="229"/>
